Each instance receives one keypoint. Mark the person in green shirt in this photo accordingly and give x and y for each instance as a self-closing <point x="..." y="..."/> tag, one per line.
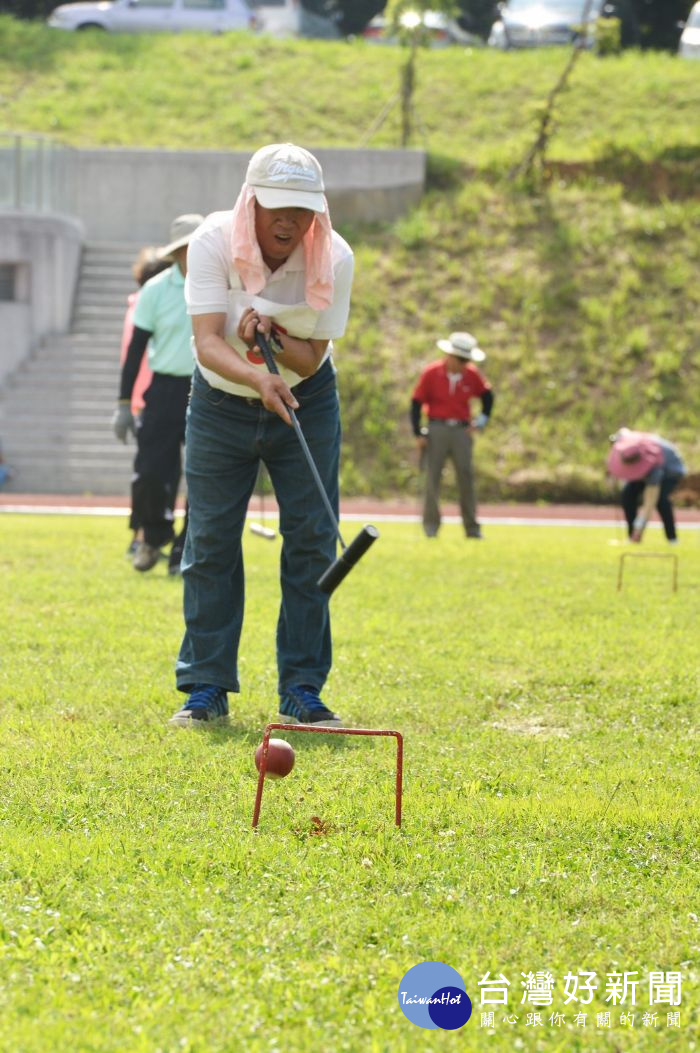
<point x="161" y="324"/>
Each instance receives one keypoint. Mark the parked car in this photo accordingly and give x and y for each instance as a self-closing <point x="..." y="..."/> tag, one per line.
<point x="278" y="17"/>
<point x="689" y="45"/>
<point x="440" y="29"/>
<point x="539" y="23"/>
<point x="154" y="16"/>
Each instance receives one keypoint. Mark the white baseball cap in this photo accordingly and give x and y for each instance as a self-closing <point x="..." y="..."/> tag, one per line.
<point x="286" y="176"/>
<point x="463" y="345"/>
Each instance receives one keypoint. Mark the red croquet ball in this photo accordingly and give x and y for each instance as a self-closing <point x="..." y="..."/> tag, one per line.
<point x="280" y="758"/>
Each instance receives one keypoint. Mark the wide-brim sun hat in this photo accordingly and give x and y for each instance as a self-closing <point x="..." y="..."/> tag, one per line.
<point x="181" y="231"/>
<point x="633" y="455"/>
<point x="463" y="345"/>
<point x="283" y="175"/>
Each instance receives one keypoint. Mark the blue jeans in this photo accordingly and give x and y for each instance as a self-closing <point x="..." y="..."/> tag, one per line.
<point x="227" y="437"/>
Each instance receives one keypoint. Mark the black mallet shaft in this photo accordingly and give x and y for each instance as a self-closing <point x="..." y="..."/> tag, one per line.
<point x="342" y="566"/>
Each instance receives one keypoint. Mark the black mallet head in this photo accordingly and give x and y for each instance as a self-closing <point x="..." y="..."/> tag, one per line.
<point x="331" y="578"/>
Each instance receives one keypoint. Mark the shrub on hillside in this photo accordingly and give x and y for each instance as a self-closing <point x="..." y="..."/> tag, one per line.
<point x="563" y="483"/>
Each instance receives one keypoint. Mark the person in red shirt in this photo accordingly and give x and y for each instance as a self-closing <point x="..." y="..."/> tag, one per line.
<point x="445" y="390"/>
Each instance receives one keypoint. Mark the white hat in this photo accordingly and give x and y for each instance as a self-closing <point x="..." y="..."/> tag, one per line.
<point x="181" y="230"/>
<point x="286" y="176"/>
<point x="463" y="345"/>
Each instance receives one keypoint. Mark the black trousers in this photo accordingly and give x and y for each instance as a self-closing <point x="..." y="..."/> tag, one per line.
<point x="160" y="438"/>
<point x="631" y="498"/>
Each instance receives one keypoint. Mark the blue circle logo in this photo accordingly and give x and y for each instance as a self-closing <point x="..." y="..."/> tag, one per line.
<point x="432" y="995"/>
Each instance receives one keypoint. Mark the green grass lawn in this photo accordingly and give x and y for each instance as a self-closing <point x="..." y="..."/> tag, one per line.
<point x="550" y="805"/>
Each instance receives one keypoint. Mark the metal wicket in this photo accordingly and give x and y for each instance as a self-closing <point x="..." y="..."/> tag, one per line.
<point x="329" y="731"/>
<point x="649" y="555"/>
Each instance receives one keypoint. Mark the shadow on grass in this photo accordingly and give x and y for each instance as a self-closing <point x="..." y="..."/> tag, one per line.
<point x="672" y="175"/>
<point x="237" y="732"/>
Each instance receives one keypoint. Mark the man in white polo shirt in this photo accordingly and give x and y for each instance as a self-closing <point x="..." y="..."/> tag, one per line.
<point x="273" y="264"/>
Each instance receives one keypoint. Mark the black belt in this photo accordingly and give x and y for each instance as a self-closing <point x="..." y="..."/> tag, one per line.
<point x="299" y="389"/>
<point x="242" y="399"/>
<point x="451" y="422"/>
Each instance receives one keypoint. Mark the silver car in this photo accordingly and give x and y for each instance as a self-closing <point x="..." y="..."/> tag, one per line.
<point x="537" y="23"/>
<point x="689" y="44"/>
<point x="156" y="16"/>
<point x="438" y="29"/>
<point x="280" y="18"/>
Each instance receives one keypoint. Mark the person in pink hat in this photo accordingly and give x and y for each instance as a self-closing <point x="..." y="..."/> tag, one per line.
<point x="273" y="264"/>
<point x="650" y="469"/>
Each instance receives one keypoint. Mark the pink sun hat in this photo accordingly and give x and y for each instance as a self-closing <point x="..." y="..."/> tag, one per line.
<point x="634" y="454"/>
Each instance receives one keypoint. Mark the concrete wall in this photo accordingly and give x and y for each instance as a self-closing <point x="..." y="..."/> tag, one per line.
<point x="45" y="250"/>
<point x="133" y="195"/>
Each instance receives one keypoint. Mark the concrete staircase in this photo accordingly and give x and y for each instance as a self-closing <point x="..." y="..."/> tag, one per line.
<point x="56" y="409"/>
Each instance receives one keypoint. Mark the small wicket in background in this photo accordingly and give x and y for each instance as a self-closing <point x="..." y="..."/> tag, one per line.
<point x="649" y="555"/>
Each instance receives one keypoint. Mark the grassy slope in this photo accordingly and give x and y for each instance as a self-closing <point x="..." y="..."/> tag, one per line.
<point x="551" y="789"/>
<point x="586" y="297"/>
<point x="237" y="91"/>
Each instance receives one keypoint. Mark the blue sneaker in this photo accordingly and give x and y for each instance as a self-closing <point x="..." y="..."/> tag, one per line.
<point x="207" y="704"/>
<point x="301" y="705"/>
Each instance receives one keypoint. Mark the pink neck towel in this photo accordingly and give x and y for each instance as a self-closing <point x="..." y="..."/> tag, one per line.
<point x="248" y="261"/>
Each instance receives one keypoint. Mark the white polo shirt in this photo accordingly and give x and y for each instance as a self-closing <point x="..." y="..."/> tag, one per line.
<point x="214" y="287"/>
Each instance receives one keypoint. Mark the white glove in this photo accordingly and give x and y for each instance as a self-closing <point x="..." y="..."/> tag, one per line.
<point x="640" y="521"/>
<point x="481" y="421"/>
<point x="123" y="421"/>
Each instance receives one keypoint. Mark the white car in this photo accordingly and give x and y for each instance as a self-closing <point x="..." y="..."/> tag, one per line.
<point x="278" y="17"/>
<point x="438" y="28"/>
<point x="538" y="23"/>
<point x="689" y="44"/>
<point x="156" y="16"/>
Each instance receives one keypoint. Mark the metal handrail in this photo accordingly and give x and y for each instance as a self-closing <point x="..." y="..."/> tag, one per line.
<point x="36" y="173"/>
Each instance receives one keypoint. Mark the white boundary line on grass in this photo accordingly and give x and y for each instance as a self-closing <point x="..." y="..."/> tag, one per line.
<point x="381" y="517"/>
<point x="64" y="510"/>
